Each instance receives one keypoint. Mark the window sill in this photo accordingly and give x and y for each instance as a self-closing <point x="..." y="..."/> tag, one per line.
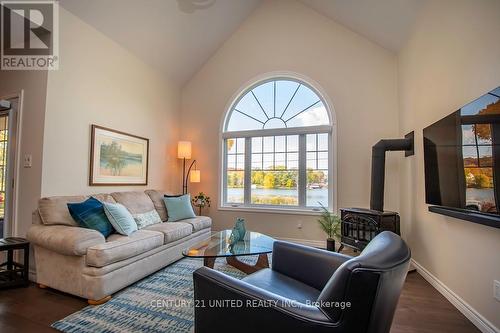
<point x="272" y="210"/>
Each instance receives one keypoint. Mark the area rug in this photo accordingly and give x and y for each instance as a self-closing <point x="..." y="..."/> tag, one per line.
<point x="161" y="302"/>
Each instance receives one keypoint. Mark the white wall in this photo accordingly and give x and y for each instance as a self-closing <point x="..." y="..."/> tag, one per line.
<point x="452" y="58"/>
<point x="29" y="180"/>
<point x="358" y="76"/>
<point x="99" y="82"/>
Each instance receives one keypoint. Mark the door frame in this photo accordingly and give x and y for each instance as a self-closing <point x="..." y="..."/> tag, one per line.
<point x="11" y="228"/>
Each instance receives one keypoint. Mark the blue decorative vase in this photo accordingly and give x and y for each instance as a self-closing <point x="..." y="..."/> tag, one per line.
<point x="240" y="226"/>
<point x="235" y="236"/>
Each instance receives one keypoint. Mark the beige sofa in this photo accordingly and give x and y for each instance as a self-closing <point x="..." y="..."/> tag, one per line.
<point x="82" y="262"/>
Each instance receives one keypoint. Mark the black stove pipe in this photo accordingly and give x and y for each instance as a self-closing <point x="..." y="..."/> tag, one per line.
<point x="378" y="167"/>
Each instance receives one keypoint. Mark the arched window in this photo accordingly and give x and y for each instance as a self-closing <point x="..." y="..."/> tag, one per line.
<point x="277" y="148"/>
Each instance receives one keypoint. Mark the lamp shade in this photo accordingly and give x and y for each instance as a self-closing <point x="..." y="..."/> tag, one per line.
<point x="195" y="176"/>
<point x="184" y="149"/>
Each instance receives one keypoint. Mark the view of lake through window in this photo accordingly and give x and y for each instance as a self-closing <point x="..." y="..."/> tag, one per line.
<point x="286" y="166"/>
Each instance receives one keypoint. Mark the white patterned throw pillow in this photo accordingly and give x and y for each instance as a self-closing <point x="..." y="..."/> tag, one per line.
<point x="148" y="218"/>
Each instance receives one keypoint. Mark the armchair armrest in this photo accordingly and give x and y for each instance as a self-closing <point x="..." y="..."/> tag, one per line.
<point x="72" y="241"/>
<point x="223" y="303"/>
<point x="309" y="265"/>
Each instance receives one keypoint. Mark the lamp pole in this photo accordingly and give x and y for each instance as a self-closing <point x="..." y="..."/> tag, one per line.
<point x="185" y="175"/>
<point x="184" y="153"/>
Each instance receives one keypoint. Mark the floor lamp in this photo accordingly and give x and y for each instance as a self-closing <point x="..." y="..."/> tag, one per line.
<point x="184" y="153"/>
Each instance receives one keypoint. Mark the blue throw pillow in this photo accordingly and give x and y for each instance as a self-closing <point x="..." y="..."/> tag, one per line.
<point x="90" y="214"/>
<point x="179" y="208"/>
<point x="120" y="218"/>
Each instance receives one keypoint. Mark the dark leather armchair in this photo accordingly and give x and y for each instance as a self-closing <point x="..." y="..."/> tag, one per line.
<point x="307" y="290"/>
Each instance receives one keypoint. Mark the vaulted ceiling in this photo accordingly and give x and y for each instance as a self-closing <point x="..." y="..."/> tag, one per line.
<point x="386" y="22"/>
<point x="174" y="39"/>
<point x="178" y="36"/>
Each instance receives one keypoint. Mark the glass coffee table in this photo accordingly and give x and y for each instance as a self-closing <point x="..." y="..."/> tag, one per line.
<point x="217" y="246"/>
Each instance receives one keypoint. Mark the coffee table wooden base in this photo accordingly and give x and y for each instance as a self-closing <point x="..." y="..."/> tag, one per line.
<point x="262" y="262"/>
<point x="218" y="246"/>
<point x="209" y="262"/>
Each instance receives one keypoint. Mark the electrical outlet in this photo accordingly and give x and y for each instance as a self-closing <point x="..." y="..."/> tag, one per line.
<point x="299" y="226"/>
<point x="496" y="289"/>
<point x="28" y="160"/>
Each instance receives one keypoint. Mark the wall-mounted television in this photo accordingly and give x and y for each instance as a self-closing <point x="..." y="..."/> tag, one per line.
<point x="462" y="162"/>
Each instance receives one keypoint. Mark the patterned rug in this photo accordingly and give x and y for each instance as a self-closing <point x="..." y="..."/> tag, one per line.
<point x="161" y="302"/>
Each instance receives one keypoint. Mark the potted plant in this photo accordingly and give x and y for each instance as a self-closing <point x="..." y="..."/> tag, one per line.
<point x="330" y="224"/>
<point x="201" y="201"/>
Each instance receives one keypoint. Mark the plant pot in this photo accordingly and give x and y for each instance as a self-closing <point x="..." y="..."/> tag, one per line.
<point x="330" y="244"/>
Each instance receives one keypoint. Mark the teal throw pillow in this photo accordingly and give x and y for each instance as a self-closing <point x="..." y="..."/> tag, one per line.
<point x="179" y="208"/>
<point x="120" y="218"/>
<point x="90" y="214"/>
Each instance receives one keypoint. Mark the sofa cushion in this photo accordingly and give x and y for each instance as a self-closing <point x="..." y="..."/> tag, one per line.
<point x="136" y="202"/>
<point x="119" y="247"/>
<point x="90" y="214"/>
<point x="157" y="198"/>
<point x="54" y="210"/>
<point x="199" y="222"/>
<point x="70" y="241"/>
<point x="104" y="197"/>
<point x="172" y="230"/>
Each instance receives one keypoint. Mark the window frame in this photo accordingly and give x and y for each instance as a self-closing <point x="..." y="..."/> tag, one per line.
<point x="302" y="169"/>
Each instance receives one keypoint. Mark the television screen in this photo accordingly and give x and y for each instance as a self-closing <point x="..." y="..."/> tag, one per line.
<point x="462" y="157"/>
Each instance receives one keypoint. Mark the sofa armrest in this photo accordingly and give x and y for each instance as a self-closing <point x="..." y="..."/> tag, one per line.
<point x="72" y="241"/>
<point x="223" y="302"/>
<point x="308" y="265"/>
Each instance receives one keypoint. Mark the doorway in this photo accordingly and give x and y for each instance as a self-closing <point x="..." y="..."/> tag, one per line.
<point x="8" y="128"/>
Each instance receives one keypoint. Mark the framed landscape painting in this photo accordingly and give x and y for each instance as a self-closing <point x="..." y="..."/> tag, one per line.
<point x="117" y="158"/>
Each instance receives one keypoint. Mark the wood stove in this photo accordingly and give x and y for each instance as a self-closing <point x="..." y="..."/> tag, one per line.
<point x="360" y="225"/>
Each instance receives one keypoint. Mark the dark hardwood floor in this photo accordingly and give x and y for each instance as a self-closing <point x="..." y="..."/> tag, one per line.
<point x="421" y="309"/>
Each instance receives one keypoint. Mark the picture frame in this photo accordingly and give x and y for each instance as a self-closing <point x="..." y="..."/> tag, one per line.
<point x="117" y="158"/>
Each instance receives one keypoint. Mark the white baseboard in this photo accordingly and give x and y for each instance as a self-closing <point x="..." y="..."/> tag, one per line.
<point x="307" y="242"/>
<point x="468" y="311"/>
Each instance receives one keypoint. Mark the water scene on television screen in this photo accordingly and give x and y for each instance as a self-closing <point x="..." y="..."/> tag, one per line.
<point x="478" y="150"/>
